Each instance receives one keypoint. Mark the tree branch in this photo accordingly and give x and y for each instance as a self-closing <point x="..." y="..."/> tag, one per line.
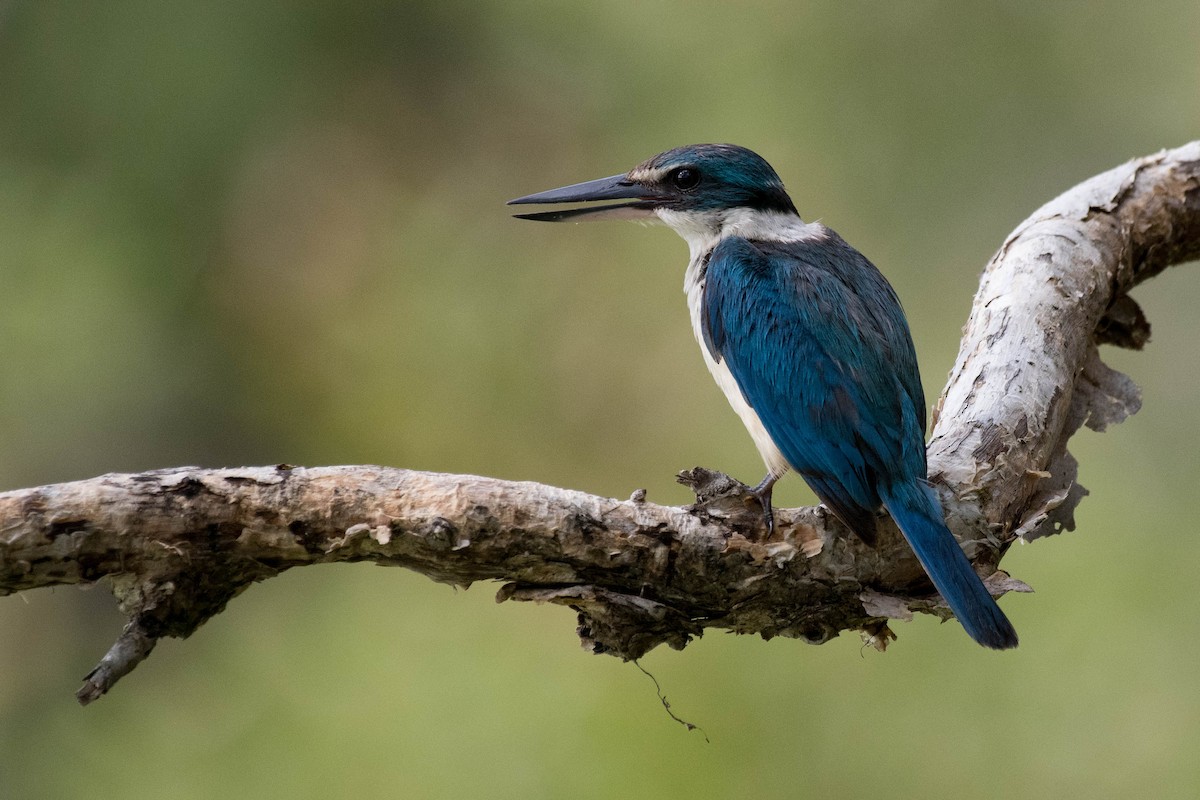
<point x="176" y="545"/>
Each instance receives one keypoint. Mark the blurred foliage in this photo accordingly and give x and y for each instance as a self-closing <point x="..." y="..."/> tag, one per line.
<point x="274" y="231"/>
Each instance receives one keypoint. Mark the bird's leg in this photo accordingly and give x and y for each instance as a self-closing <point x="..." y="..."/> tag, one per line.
<point x="762" y="493"/>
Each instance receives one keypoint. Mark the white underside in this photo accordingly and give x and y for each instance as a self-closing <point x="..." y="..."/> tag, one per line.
<point x="776" y="463"/>
<point x="702" y="232"/>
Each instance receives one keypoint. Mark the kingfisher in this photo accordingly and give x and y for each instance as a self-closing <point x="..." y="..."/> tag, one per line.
<point x="810" y="345"/>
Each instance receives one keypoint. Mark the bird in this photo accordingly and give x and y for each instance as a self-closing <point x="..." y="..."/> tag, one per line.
<point x="809" y="343"/>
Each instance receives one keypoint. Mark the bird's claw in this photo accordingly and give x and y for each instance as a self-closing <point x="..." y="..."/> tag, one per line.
<point x="762" y="493"/>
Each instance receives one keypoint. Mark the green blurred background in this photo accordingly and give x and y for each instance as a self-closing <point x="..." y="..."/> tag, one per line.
<point x="249" y="233"/>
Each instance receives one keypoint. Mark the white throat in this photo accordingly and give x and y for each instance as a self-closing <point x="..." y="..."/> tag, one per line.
<point x="702" y="230"/>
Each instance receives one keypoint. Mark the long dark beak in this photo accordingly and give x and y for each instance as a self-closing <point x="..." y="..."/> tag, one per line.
<point x="618" y="187"/>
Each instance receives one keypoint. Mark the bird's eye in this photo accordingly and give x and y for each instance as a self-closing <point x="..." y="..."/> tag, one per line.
<point x="684" y="178"/>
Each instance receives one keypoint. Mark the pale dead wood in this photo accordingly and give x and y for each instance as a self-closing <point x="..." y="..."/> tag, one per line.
<point x="176" y="545"/>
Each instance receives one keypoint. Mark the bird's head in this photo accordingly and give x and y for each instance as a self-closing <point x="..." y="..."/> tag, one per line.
<point x="684" y="186"/>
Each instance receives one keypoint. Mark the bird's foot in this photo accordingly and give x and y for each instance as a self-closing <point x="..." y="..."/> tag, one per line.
<point x="762" y="493"/>
<point x="732" y="500"/>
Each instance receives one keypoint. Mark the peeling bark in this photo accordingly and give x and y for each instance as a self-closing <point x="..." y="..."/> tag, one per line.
<point x="177" y="545"/>
<point x="1028" y="373"/>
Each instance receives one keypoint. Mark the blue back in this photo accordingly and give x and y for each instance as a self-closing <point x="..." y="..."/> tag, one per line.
<point x="817" y="341"/>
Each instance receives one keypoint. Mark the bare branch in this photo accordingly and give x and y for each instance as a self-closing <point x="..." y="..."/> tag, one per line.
<point x="177" y="545"/>
<point x="1028" y="374"/>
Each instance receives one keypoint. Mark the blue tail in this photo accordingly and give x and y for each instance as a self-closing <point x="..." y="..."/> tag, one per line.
<point x="916" y="509"/>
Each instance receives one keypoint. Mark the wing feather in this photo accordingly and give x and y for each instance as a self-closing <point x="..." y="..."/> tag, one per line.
<point x="817" y="341"/>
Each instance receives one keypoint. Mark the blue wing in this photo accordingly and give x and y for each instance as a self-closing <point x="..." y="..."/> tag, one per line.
<point x="817" y="341"/>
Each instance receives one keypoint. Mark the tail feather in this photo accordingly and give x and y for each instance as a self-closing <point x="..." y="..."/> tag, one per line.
<point x="916" y="509"/>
